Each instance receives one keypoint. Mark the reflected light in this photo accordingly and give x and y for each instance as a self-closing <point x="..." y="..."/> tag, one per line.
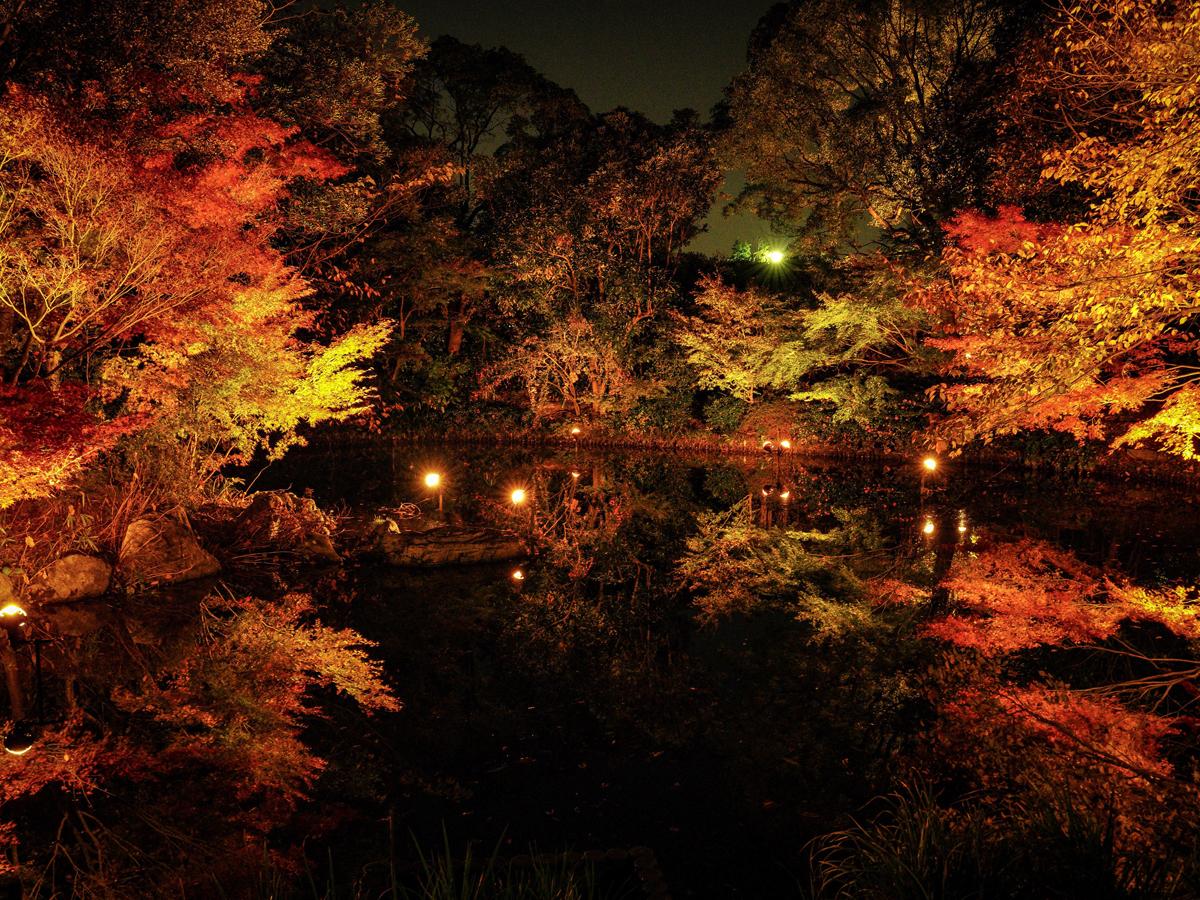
<point x="785" y="444"/>
<point x="20" y="740"/>
<point x="574" y="473"/>
<point x="930" y="463"/>
<point x="928" y="527"/>
<point x="518" y="496"/>
<point x="576" y="431"/>
<point x="433" y="479"/>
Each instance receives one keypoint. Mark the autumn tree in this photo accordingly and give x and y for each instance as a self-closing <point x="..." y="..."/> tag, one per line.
<point x="860" y="120"/>
<point x="731" y="339"/>
<point x="1087" y="326"/>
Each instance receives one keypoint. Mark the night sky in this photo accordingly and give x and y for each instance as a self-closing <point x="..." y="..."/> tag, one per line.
<point x="653" y="56"/>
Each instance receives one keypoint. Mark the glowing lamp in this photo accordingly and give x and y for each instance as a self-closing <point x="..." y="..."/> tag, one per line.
<point x="785" y="444"/>
<point x="775" y="257"/>
<point x="433" y="479"/>
<point x="518" y="496"/>
<point x="930" y="463"/>
<point x="962" y="529"/>
<point x="785" y="496"/>
<point x="518" y="575"/>
<point x="576" y="431"/>
<point x="13" y="617"/>
<point x="575" y="473"/>
<point x="928" y="527"/>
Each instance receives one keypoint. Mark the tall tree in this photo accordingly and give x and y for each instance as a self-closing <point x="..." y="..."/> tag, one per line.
<point x="861" y="119"/>
<point x="1088" y="326"/>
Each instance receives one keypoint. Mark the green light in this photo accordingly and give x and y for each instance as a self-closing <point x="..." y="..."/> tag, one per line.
<point x="775" y="257"/>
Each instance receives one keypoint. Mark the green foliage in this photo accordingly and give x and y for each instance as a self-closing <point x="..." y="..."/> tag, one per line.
<point x="732" y="566"/>
<point x="724" y="413"/>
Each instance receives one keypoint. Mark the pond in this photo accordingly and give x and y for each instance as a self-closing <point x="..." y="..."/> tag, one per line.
<point x="719" y="659"/>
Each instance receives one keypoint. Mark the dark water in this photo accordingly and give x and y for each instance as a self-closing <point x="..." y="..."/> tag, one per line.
<point x="589" y="706"/>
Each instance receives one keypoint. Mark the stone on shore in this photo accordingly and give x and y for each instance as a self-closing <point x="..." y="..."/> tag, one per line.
<point x="280" y="521"/>
<point x="162" y="551"/>
<point x="75" y="576"/>
<point x="447" y="545"/>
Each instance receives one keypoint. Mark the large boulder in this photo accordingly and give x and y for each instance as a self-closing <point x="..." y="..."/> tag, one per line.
<point x="448" y="545"/>
<point x="74" y="577"/>
<point x="280" y="521"/>
<point x="162" y="551"/>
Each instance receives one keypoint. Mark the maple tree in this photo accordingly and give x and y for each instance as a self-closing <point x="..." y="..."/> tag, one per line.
<point x="1086" y="326"/>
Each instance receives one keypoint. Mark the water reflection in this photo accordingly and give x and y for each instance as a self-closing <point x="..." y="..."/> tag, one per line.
<point x="716" y="658"/>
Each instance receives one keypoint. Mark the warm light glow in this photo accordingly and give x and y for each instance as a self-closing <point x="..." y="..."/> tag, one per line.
<point x="928" y="527"/>
<point x="574" y="473"/>
<point x="767" y="445"/>
<point x="518" y="575"/>
<point x="785" y="496"/>
<point x="433" y="479"/>
<point x="930" y="464"/>
<point x="518" y="496"/>
<point x="962" y="528"/>
<point x="785" y="444"/>
<point x="775" y="257"/>
<point x="20" y="740"/>
<point x="13" y="618"/>
<point x="576" y="430"/>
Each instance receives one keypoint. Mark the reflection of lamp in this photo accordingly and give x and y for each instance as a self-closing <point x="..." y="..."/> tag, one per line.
<point x="576" y="431"/>
<point x="20" y="739"/>
<point x="575" y="473"/>
<point x="23" y="734"/>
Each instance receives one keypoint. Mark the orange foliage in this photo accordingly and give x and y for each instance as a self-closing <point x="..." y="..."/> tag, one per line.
<point x="1029" y="594"/>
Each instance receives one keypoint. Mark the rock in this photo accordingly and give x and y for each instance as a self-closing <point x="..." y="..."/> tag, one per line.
<point x="8" y="593"/>
<point x="283" y="522"/>
<point x="162" y="551"/>
<point x="449" y="544"/>
<point x="74" y="577"/>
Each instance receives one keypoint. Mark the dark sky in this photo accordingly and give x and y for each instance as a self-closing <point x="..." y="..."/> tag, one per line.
<point x="654" y="56"/>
